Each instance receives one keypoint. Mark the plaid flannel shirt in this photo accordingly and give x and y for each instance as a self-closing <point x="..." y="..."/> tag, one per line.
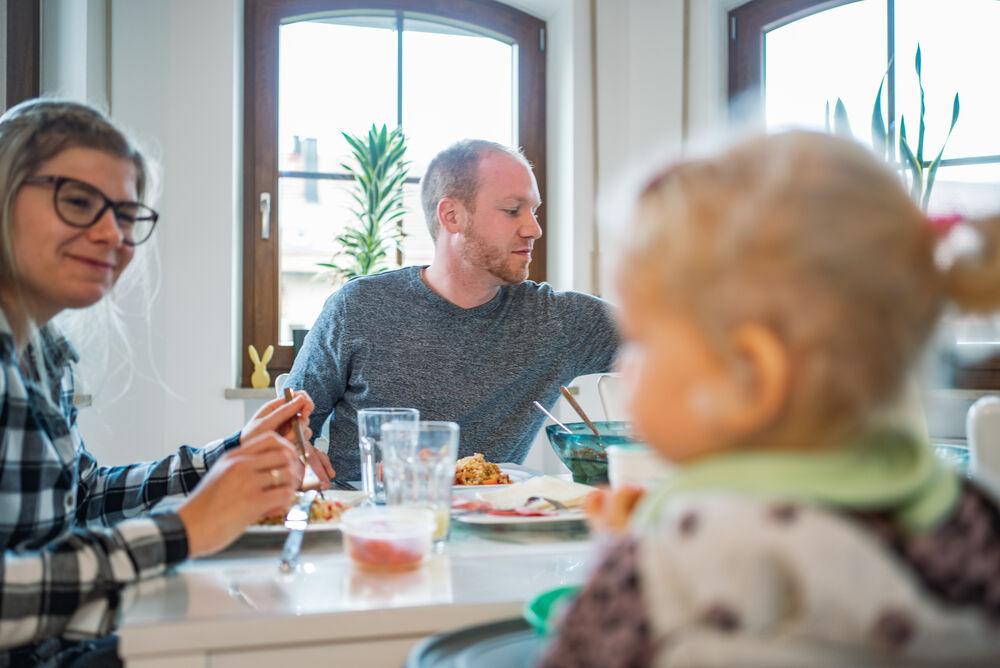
<point x="74" y="533"/>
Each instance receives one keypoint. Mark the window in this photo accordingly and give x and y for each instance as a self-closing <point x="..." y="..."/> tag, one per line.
<point x="316" y="68"/>
<point x="792" y="57"/>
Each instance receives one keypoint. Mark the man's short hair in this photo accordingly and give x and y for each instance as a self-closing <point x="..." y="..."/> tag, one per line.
<point x="454" y="172"/>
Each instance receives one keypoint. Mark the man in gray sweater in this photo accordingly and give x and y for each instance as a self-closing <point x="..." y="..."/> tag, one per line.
<point x="467" y="338"/>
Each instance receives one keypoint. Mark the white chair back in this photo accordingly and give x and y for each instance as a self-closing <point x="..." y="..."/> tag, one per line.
<point x="279" y="383"/>
<point x="609" y="386"/>
<point x="982" y="430"/>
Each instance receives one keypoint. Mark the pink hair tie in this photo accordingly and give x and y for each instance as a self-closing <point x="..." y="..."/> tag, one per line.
<point x="954" y="240"/>
<point x="942" y="225"/>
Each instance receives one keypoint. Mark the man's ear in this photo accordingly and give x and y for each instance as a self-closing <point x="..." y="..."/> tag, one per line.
<point x="450" y="213"/>
<point x="762" y="378"/>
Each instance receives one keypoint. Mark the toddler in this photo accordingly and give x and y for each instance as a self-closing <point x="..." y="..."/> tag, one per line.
<point x="773" y="300"/>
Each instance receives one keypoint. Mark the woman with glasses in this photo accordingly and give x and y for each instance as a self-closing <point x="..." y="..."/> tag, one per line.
<point x="75" y="533"/>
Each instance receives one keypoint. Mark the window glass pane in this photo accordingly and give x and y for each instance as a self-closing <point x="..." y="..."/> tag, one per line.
<point x="308" y="229"/>
<point x="418" y="248"/>
<point x="840" y="52"/>
<point x="971" y="190"/>
<point x="478" y="102"/>
<point x="333" y="77"/>
<point x="323" y="91"/>
<point x="960" y="51"/>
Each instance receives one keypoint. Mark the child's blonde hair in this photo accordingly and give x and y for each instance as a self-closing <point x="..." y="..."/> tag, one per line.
<point x="815" y="238"/>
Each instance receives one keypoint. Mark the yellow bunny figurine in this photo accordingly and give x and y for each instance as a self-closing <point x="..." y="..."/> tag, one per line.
<point x="260" y="378"/>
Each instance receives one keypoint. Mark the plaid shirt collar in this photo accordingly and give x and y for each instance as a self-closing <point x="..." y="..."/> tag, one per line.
<point x="56" y="349"/>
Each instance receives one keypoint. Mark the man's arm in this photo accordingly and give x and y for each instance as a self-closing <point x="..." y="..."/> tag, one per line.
<point x="590" y="333"/>
<point x="320" y="368"/>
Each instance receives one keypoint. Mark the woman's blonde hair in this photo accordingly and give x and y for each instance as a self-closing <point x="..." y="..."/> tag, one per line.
<point x="815" y="238"/>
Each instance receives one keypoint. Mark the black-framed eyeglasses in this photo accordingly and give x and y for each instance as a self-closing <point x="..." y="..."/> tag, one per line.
<point x="79" y="204"/>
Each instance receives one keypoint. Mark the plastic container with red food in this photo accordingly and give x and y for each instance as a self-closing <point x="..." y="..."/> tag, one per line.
<point x="387" y="539"/>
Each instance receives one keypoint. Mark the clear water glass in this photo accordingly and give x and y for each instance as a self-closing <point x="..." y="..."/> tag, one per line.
<point x="370" y="424"/>
<point x="420" y="468"/>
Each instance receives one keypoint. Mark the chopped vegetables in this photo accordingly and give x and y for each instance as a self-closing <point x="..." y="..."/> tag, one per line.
<point x="475" y="470"/>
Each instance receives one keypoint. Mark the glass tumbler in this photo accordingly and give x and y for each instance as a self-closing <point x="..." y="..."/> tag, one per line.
<point x="370" y="424"/>
<point x="420" y="468"/>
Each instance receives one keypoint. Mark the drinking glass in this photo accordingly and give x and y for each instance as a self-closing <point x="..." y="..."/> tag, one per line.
<point x="370" y="423"/>
<point x="420" y="468"/>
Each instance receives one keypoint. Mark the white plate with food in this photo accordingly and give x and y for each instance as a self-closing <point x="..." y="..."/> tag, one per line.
<point x="481" y="474"/>
<point x="323" y="516"/>
<point x="541" y="499"/>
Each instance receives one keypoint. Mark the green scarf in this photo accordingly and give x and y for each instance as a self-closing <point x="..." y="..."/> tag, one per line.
<point x="884" y="471"/>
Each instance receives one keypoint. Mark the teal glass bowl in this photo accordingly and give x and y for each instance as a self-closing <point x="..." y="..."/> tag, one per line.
<point x="583" y="452"/>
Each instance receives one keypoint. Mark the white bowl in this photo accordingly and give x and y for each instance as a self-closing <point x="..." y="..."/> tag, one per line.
<point x="636" y="465"/>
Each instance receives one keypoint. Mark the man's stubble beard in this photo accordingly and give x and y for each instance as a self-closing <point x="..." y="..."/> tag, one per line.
<point x="478" y="253"/>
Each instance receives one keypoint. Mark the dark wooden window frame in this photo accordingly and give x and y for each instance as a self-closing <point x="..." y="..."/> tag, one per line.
<point x="22" y="51"/>
<point x="260" y="171"/>
<point x="747" y="25"/>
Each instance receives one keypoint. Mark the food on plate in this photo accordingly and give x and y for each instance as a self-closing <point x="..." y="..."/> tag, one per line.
<point x="387" y="538"/>
<point x="475" y="470"/>
<point x="539" y="492"/>
<point x="322" y="510"/>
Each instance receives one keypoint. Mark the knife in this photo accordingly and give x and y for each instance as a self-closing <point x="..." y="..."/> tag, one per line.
<point x="296" y="522"/>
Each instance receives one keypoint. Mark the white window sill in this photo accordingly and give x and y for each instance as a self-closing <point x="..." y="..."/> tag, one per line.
<point x="251" y="393"/>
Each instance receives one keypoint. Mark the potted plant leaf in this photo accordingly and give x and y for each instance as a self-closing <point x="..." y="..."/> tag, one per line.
<point x="379" y="171"/>
<point x="918" y="172"/>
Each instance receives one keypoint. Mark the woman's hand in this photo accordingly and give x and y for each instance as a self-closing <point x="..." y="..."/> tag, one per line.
<point x="277" y="415"/>
<point x="259" y="478"/>
<point x="609" y="511"/>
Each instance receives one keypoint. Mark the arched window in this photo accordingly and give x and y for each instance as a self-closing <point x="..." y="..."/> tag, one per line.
<point x="789" y="58"/>
<point x="442" y="71"/>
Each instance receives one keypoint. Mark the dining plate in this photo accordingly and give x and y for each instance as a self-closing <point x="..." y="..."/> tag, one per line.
<point x="516" y="472"/>
<point x="345" y="497"/>
<point x="570" y="515"/>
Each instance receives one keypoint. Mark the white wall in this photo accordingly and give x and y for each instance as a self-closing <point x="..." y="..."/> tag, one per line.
<point x="175" y="77"/>
<point x="77" y="69"/>
<point x="175" y="82"/>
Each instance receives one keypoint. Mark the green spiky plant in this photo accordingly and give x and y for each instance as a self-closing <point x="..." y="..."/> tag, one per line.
<point x="919" y="173"/>
<point x="379" y="171"/>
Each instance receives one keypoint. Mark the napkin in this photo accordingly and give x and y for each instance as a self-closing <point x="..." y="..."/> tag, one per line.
<point x="566" y="492"/>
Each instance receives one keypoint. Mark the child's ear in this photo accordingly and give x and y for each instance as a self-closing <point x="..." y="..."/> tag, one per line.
<point x="762" y="381"/>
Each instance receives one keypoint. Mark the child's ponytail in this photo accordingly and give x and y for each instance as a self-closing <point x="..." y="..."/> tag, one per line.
<point x="968" y="256"/>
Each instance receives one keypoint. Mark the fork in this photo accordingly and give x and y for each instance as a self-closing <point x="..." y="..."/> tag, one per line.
<point x="344" y="485"/>
<point x="310" y="480"/>
<point x="555" y="504"/>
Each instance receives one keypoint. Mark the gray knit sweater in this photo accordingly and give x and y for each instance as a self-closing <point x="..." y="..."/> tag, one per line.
<point x="389" y="340"/>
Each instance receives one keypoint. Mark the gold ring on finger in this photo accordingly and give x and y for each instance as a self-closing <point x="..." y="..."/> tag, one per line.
<point x="276" y="477"/>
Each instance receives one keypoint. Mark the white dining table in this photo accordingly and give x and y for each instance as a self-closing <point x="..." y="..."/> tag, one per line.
<point x="237" y="609"/>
